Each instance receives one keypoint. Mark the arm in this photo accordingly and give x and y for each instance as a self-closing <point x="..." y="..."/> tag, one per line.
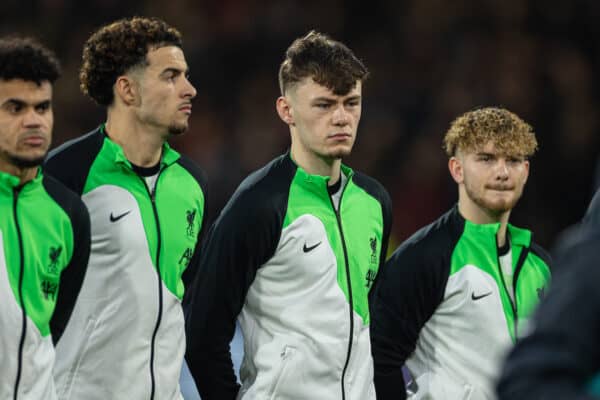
<point x="411" y="287"/>
<point x="561" y="356"/>
<point x="71" y="278"/>
<point x="242" y="239"/>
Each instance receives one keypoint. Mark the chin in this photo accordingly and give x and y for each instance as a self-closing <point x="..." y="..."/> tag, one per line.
<point x="178" y="129"/>
<point x="500" y="206"/>
<point x="340" y="152"/>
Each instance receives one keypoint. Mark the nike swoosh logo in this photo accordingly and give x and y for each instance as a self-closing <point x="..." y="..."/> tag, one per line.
<point x="473" y="297"/>
<point x="118" y="217"/>
<point x="307" y="249"/>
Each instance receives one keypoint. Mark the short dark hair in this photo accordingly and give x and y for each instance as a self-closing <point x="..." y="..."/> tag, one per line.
<point x="329" y="62"/>
<point x="114" y="49"/>
<point x="26" y="59"/>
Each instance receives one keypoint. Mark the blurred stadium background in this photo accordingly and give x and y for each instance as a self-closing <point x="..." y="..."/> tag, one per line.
<point x="430" y="60"/>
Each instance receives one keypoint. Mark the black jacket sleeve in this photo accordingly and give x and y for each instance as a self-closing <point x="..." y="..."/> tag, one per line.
<point x="241" y="240"/>
<point x="72" y="276"/>
<point x="411" y="286"/>
<point x="192" y="269"/>
<point x="558" y="359"/>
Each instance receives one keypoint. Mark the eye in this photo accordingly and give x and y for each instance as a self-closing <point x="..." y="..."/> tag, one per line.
<point x="484" y="158"/>
<point x="514" y="160"/>
<point x="14" y="107"/>
<point x="323" y="106"/>
<point x="353" y="103"/>
<point x="42" y="108"/>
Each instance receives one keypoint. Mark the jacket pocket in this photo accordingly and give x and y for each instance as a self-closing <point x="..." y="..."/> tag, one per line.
<point x="65" y="390"/>
<point x="431" y="386"/>
<point x="287" y="356"/>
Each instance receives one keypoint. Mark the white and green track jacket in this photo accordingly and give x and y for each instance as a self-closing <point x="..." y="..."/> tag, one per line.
<point x="44" y="248"/>
<point x="296" y="272"/>
<point x="126" y="338"/>
<point x="442" y="305"/>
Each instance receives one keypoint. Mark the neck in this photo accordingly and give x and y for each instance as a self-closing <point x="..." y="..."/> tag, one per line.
<point x="317" y="165"/>
<point x="24" y="174"/>
<point x="142" y="144"/>
<point x="478" y="215"/>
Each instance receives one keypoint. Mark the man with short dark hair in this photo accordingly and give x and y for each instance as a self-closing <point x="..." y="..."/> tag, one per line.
<point x="455" y="296"/>
<point x="295" y="251"/>
<point x="44" y="227"/>
<point x="126" y="339"/>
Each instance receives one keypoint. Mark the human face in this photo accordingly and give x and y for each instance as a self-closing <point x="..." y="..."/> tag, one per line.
<point x="165" y="92"/>
<point x="490" y="181"/>
<point x="26" y="121"/>
<point x="322" y="123"/>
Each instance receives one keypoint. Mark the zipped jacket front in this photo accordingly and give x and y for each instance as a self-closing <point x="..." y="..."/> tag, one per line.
<point x="296" y="270"/>
<point x="126" y="339"/>
<point x="44" y="248"/>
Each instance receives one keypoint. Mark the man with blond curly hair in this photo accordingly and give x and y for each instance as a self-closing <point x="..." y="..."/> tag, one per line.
<point x="456" y="295"/>
<point x="126" y="337"/>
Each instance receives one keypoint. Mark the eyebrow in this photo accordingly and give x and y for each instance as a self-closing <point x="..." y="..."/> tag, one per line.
<point x="334" y="100"/>
<point x="175" y="70"/>
<point x="23" y="103"/>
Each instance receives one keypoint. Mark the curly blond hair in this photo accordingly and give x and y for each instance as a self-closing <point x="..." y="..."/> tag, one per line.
<point x="474" y="129"/>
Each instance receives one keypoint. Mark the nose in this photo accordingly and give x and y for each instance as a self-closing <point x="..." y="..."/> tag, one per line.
<point x="340" y="116"/>
<point x="32" y="119"/>
<point x="189" y="91"/>
<point x="502" y="169"/>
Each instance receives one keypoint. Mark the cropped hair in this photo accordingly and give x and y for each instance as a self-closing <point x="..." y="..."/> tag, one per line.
<point x="116" y="48"/>
<point x="27" y="59"/>
<point x="328" y="62"/>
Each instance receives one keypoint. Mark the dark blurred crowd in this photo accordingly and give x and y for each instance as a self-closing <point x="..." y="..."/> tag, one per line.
<point x="430" y="61"/>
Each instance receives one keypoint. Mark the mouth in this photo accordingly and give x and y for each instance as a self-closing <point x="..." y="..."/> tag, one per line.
<point x="501" y="188"/>
<point x="339" y="136"/>
<point x="34" y="140"/>
<point x="186" y="108"/>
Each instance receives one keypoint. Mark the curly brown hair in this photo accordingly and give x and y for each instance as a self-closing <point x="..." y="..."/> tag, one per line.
<point x="329" y="62"/>
<point x="114" y="49"/>
<point x="474" y="129"/>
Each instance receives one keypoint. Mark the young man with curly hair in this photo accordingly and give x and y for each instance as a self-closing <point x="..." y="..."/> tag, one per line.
<point x="456" y="295"/>
<point x="126" y="337"/>
<point x="44" y="227"/>
<point x="294" y="253"/>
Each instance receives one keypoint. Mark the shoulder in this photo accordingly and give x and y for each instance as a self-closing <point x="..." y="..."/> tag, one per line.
<point x="542" y="253"/>
<point x="68" y="200"/>
<point x="432" y="242"/>
<point x="264" y="193"/>
<point x="79" y="148"/>
<point x="71" y="162"/>
<point x="372" y="187"/>
<point x="194" y="170"/>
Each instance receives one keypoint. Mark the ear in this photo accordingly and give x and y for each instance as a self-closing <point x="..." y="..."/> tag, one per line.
<point x="126" y="89"/>
<point x="284" y="109"/>
<point x="456" y="169"/>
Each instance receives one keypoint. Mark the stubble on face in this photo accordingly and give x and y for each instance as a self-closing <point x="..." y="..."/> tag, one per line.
<point x="25" y="138"/>
<point x="326" y="123"/>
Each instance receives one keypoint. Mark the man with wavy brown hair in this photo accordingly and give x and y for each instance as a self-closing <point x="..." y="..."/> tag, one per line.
<point x="146" y="201"/>
<point x="294" y="253"/>
<point x="455" y="296"/>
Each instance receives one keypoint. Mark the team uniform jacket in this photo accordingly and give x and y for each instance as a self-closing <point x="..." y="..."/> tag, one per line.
<point x="297" y="275"/>
<point x="442" y="306"/>
<point x="560" y="359"/>
<point x="44" y="248"/>
<point x="126" y="338"/>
